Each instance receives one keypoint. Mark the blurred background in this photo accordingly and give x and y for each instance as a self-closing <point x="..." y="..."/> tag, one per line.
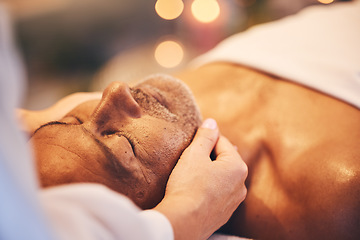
<point x="70" y="46"/>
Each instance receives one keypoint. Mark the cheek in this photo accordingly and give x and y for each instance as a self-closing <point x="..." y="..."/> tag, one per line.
<point x="161" y="143"/>
<point x="170" y="143"/>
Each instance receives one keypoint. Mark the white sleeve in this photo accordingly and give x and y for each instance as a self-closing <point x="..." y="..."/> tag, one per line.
<point x="79" y="211"/>
<point x="92" y="211"/>
<point x="20" y="213"/>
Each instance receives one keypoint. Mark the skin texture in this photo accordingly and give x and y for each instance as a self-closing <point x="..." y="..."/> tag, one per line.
<point x="129" y="140"/>
<point x="301" y="148"/>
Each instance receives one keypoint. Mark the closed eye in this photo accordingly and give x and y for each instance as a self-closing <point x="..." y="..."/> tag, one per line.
<point x="130" y="139"/>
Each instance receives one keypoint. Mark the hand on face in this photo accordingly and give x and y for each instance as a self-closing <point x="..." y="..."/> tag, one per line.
<point x="204" y="192"/>
<point x="129" y="140"/>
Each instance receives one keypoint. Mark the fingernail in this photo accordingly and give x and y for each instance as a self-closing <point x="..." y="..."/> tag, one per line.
<point x="209" y="123"/>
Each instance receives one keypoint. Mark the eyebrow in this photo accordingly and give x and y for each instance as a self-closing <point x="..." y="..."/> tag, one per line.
<point x="49" y="124"/>
<point x="57" y="123"/>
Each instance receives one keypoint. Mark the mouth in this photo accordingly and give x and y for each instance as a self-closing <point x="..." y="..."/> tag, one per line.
<point x="153" y="102"/>
<point x="155" y="94"/>
<point x="148" y="92"/>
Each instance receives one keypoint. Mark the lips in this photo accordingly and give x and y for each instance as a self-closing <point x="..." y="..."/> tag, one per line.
<point x="153" y="93"/>
<point x="156" y="95"/>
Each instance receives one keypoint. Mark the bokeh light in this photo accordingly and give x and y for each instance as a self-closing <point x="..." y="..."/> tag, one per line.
<point x="326" y="1"/>
<point x="169" y="54"/>
<point x="169" y="9"/>
<point x="205" y="11"/>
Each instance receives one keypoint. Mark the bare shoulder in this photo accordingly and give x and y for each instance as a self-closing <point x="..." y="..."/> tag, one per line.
<point x="348" y="201"/>
<point x="302" y="148"/>
<point x="334" y="206"/>
<point x="315" y="162"/>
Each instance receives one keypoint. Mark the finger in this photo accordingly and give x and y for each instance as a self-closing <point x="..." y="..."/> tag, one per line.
<point x="226" y="151"/>
<point x="205" y="138"/>
<point x="228" y="155"/>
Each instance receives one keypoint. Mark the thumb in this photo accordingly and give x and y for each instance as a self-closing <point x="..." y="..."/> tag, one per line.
<point x="205" y="138"/>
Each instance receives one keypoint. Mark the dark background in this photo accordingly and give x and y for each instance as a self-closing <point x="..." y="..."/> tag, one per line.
<point x="81" y="45"/>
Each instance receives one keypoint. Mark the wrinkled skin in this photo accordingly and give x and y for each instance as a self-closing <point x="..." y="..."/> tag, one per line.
<point x="129" y="140"/>
<point x="301" y="147"/>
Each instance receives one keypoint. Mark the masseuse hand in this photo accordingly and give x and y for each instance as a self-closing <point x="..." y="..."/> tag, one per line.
<point x="202" y="194"/>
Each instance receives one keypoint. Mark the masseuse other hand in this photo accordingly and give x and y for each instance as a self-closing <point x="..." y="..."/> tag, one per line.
<point x="201" y="194"/>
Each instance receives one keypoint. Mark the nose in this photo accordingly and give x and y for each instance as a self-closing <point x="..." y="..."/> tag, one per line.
<point x="116" y="105"/>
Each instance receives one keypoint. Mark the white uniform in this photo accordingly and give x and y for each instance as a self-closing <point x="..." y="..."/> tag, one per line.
<point x="319" y="48"/>
<point x="80" y="211"/>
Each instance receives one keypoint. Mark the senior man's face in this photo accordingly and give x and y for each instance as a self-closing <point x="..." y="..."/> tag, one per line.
<point x="129" y="140"/>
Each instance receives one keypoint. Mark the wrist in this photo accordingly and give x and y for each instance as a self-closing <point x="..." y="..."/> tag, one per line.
<point x="184" y="215"/>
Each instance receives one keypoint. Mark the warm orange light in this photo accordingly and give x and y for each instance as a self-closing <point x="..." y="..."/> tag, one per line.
<point x="169" y="54"/>
<point x="205" y="11"/>
<point x="326" y="1"/>
<point x="169" y="9"/>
